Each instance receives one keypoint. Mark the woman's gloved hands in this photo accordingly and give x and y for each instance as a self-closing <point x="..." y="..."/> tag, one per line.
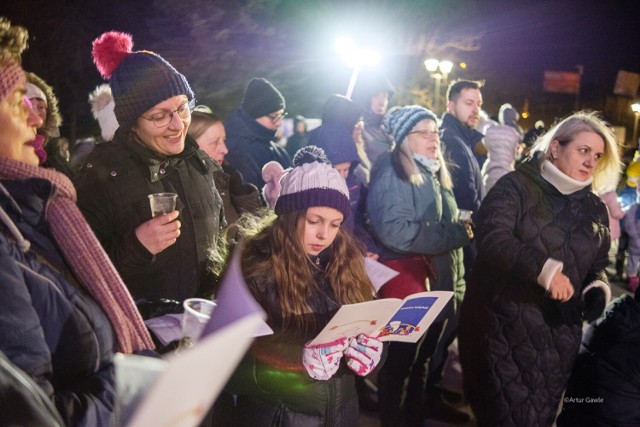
<point x="322" y="361"/>
<point x="363" y="354"/>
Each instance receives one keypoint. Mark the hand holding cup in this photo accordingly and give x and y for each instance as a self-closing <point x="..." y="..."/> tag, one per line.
<point x="159" y="233"/>
<point x="464" y="216"/>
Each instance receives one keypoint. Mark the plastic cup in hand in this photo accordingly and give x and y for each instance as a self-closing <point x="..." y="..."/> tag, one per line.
<point x="162" y="203"/>
<point x="464" y="215"/>
<point x="197" y="312"/>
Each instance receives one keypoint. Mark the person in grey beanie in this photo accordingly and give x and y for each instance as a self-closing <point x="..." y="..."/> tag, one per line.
<point x="251" y="130"/>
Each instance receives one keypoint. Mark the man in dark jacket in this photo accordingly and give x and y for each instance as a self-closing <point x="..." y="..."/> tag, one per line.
<point x="458" y="141"/>
<point x="251" y="129"/>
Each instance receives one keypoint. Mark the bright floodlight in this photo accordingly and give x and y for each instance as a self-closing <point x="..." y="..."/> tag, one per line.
<point x="431" y="64"/>
<point x="344" y="46"/>
<point x="368" y="57"/>
<point x="446" y="66"/>
<point x="635" y="107"/>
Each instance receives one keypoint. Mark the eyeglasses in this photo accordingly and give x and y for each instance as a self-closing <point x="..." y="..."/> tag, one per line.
<point x="275" y="118"/>
<point x="163" y="118"/>
<point x="428" y="134"/>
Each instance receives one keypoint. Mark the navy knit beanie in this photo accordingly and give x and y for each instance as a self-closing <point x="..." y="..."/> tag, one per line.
<point x="262" y="98"/>
<point x="401" y="120"/>
<point x="139" y="80"/>
<point x="312" y="182"/>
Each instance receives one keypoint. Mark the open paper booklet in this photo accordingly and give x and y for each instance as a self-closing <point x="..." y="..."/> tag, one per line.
<point x="389" y="319"/>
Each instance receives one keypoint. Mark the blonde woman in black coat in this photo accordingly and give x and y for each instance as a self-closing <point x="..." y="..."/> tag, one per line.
<point x="543" y="239"/>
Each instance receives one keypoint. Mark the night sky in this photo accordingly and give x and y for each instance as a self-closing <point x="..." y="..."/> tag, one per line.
<point x="517" y="40"/>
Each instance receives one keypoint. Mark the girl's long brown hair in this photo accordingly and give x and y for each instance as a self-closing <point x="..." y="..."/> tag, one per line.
<point x="293" y="271"/>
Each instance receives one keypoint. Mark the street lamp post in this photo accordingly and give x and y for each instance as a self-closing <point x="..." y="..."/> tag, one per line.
<point x="434" y="65"/>
<point x="635" y="107"/>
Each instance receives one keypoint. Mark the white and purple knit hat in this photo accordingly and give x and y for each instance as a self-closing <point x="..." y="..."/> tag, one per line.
<point x="312" y="182"/>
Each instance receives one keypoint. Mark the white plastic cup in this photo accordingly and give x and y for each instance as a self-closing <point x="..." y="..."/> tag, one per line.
<point x="162" y="203"/>
<point x="197" y="312"/>
<point x="464" y="215"/>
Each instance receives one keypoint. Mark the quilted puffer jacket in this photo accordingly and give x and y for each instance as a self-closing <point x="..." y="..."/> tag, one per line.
<point x="517" y="346"/>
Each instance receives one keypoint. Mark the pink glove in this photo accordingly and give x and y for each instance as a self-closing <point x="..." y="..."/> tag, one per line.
<point x="363" y="354"/>
<point x="322" y="361"/>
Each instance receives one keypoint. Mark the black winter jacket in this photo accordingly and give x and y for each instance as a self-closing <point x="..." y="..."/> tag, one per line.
<point x="273" y="387"/>
<point x="604" y="388"/>
<point x="517" y="346"/>
<point x="238" y="197"/>
<point x="251" y="146"/>
<point x="113" y="186"/>
<point x="50" y="328"/>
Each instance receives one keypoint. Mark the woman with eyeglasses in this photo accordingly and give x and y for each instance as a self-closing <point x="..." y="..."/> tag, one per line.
<point x="414" y="216"/>
<point x="251" y="131"/>
<point x="65" y="310"/>
<point x="166" y="257"/>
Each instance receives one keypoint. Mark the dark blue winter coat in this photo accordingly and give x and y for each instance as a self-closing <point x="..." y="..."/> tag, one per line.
<point x="49" y="327"/>
<point x="251" y="146"/>
<point x="458" y="142"/>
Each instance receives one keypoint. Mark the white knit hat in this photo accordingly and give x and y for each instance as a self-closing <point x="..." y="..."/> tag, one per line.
<point x="102" y="106"/>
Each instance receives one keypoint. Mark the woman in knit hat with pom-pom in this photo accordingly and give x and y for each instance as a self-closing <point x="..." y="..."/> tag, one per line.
<point x="167" y="256"/>
<point x="301" y="266"/>
<point x="414" y="215"/>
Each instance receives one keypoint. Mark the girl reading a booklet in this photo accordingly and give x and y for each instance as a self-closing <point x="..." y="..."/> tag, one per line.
<point x="301" y="266"/>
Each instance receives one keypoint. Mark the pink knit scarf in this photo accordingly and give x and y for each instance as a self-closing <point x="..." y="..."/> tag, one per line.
<point x="85" y="255"/>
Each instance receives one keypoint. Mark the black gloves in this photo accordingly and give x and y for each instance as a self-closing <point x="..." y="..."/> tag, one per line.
<point x="593" y="303"/>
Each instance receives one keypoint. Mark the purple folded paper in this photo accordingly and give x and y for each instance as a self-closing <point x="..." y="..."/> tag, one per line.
<point x="234" y="301"/>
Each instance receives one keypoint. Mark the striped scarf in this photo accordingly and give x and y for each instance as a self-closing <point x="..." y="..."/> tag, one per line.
<point x="85" y="255"/>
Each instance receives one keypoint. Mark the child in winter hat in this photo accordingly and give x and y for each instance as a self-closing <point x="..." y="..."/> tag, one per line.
<point x="38" y="89"/>
<point x="262" y="98"/>
<point x="139" y="80"/>
<point x="508" y="116"/>
<point x="312" y="182"/>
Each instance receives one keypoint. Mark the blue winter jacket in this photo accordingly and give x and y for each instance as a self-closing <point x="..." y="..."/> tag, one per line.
<point x="49" y="327"/>
<point x="458" y="142"/>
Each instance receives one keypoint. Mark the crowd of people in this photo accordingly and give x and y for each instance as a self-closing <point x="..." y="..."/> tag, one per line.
<point x="85" y="262"/>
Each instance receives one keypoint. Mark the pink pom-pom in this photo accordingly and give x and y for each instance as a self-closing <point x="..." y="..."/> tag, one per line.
<point x="109" y="50"/>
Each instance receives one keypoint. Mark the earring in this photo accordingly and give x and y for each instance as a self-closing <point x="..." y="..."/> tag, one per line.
<point x="553" y="157"/>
